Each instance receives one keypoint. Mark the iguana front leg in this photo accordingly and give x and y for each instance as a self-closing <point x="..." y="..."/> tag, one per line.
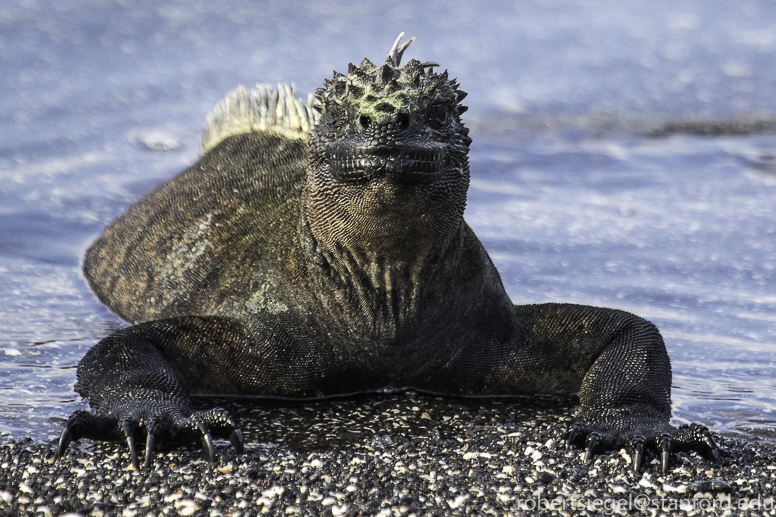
<point x="625" y="393"/>
<point x="138" y="381"/>
<point x="616" y="361"/>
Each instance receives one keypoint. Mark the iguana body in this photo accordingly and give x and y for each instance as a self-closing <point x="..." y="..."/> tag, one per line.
<point x="304" y="265"/>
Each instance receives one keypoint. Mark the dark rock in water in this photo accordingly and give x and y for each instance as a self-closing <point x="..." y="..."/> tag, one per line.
<point x="157" y="140"/>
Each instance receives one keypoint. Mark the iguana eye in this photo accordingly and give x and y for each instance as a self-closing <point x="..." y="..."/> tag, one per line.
<point x="437" y="116"/>
<point x="403" y="120"/>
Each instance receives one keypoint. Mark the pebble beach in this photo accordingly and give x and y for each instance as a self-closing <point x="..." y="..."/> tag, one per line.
<point x="398" y="454"/>
<point x="624" y="156"/>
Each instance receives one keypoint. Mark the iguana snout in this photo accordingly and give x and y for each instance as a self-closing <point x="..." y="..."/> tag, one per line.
<point x="406" y="163"/>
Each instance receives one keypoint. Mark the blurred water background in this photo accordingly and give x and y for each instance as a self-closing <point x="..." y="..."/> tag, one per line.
<point x="623" y="156"/>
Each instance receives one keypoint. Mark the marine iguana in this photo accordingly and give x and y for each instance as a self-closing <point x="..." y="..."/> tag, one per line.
<point x="319" y="248"/>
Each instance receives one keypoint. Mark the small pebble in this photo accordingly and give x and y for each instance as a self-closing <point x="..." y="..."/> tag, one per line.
<point x="186" y="507"/>
<point x="545" y="477"/>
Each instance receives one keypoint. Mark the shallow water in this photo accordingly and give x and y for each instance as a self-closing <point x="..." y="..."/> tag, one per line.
<point x="101" y="101"/>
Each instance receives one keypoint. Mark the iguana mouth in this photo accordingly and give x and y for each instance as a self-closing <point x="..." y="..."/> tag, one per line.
<point x="364" y="163"/>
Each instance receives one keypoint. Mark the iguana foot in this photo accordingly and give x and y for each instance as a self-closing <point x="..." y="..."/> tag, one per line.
<point x="662" y="438"/>
<point x="159" y="421"/>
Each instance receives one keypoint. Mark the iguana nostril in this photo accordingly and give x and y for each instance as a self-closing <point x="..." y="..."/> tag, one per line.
<point x="402" y="120"/>
<point x="364" y="121"/>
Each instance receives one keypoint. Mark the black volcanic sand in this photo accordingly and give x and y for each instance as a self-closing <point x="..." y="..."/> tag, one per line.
<point x="398" y="454"/>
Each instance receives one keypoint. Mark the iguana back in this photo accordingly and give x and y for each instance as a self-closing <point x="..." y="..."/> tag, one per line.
<point x="191" y="245"/>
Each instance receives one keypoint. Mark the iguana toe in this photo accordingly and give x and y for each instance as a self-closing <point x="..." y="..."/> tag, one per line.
<point x="198" y="426"/>
<point x="237" y="441"/>
<point x="644" y="442"/>
<point x="639" y="442"/>
<point x="593" y="441"/>
<point x="214" y="422"/>
<point x="149" y="450"/>
<point x="129" y="434"/>
<point x="576" y="434"/>
<point x="83" y="424"/>
<point x="665" y="451"/>
<point x="696" y="437"/>
<point x="167" y="422"/>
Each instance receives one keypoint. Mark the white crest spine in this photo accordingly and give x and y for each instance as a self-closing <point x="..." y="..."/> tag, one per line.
<point x="260" y="109"/>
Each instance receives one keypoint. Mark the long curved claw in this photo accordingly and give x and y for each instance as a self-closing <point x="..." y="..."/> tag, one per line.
<point x="665" y="452"/>
<point x="237" y="441"/>
<point x="219" y="423"/>
<point x="577" y="431"/>
<point x="714" y="453"/>
<point x="593" y="440"/>
<point x="127" y="428"/>
<point x="207" y="444"/>
<point x="64" y="441"/>
<point x="149" y="450"/>
<point x="638" y="454"/>
<point x="83" y="424"/>
<point x="74" y="428"/>
<point x="709" y="442"/>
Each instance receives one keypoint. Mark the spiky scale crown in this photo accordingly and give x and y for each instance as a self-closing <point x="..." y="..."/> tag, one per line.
<point x="380" y="92"/>
<point x="376" y="92"/>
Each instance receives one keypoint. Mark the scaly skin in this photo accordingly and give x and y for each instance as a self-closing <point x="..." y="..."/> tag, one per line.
<point x="339" y="262"/>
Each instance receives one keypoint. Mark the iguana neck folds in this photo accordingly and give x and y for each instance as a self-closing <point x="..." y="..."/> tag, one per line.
<point x="374" y="295"/>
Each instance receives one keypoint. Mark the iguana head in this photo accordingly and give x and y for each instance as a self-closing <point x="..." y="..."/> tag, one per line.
<point x="389" y="158"/>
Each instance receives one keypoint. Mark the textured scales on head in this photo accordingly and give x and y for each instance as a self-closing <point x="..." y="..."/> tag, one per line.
<point x="388" y="168"/>
<point x="381" y="92"/>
